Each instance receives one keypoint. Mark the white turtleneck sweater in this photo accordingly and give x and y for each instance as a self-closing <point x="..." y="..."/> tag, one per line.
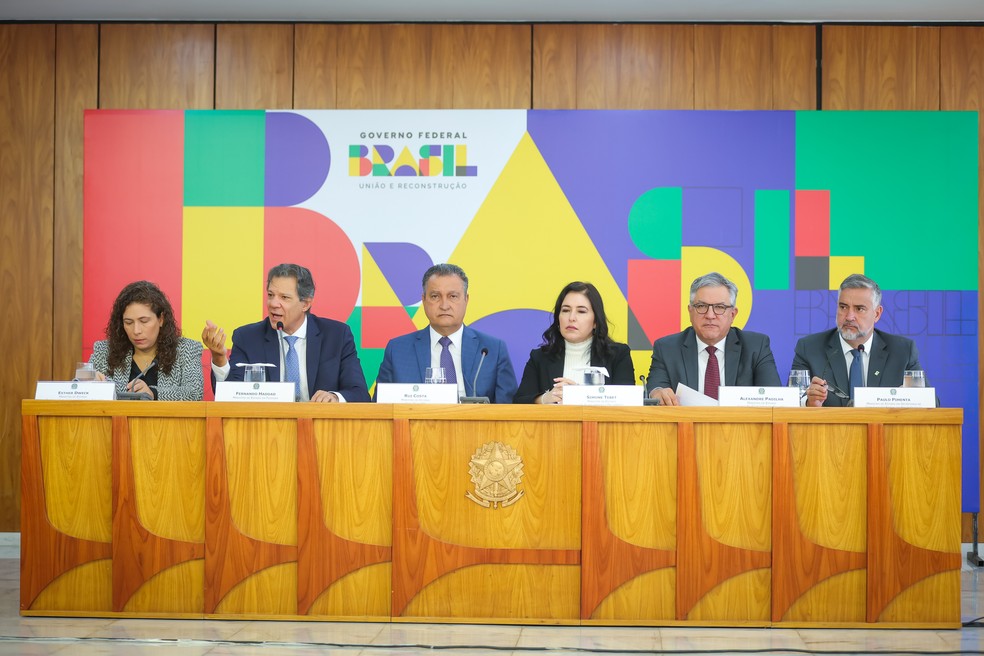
<point x="577" y="356"/>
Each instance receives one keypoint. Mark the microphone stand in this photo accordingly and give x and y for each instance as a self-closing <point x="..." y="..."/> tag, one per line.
<point x="476" y="399"/>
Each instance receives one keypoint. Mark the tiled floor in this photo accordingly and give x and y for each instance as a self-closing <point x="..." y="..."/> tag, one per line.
<point x="88" y="637"/>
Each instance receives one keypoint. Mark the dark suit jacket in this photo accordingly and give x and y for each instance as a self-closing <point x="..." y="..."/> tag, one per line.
<point x="541" y="369"/>
<point x="888" y="360"/>
<point x="407" y="356"/>
<point x="332" y="362"/>
<point x="748" y="360"/>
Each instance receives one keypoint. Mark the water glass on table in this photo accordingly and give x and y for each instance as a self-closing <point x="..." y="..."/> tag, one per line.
<point x="800" y="378"/>
<point x="914" y="378"/>
<point x="435" y="375"/>
<point x="85" y="372"/>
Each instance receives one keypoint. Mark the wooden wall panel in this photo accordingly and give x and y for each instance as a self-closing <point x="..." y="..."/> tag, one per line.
<point x="491" y="66"/>
<point x="794" y="67"/>
<point x="254" y="66"/>
<point x="315" y="72"/>
<point x="554" y="67"/>
<point x="156" y="66"/>
<point x="732" y="67"/>
<point x="77" y="89"/>
<point x="962" y="88"/>
<point x="27" y="160"/>
<point x="394" y="66"/>
<point x="634" y="66"/>
<point x="881" y="68"/>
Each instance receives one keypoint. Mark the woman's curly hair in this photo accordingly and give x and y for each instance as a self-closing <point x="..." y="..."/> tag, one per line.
<point x="120" y="346"/>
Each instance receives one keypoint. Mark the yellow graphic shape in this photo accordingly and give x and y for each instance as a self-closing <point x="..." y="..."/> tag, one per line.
<point x="376" y="290"/>
<point x="222" y="276"/>
<point x="841" y="266"/>
<point x="525" y="243"/>
<point x="695" y="261"/>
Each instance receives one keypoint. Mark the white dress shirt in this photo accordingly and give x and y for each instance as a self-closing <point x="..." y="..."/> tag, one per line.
<point x="702" y="357"/>
<point x="865" y="356"/>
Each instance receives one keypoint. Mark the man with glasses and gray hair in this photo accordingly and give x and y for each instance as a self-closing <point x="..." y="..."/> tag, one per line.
<point x="855" y="353"/>
<point x="711" y="352"/>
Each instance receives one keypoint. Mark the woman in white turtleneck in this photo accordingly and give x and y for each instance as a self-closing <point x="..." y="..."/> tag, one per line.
<point x="577" y="338"/>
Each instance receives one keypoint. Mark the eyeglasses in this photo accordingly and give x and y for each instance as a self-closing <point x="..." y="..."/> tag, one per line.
<point x="719" y="309"/>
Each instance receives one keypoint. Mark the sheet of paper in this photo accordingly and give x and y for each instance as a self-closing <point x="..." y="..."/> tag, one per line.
<point x="690" y="396"/>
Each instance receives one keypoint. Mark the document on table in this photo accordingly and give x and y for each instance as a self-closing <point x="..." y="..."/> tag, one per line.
<point x="690" y="396"/>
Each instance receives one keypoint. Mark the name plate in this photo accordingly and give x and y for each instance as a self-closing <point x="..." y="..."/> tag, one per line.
<point x="759" y="397"/>
<point x="894" y="397"/>
<point x="416" y="393"/>
<point x="229" y="390"/>
<point x="603" y="394"/>
<point x="73" y="390"/>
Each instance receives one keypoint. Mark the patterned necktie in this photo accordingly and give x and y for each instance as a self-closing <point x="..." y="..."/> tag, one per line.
<point x="446" y="361"/>
<point x="712" y="377"/>
<point x="291" y="367"/>
<point x="857" y="369"/>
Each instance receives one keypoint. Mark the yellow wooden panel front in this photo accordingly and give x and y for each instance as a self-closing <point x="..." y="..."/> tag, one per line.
<point x="743" y="598"/>
<point x="366" y="593"/>
<point x="934" y="599"/>
<point x="924" y="484"/>
<point x="168" y="458"/>
<point x="503" y="592"/>
<point x="76" y="459"/>
<point x="261" y="461"/>
<point x="548" y="516"/>
<point x="639" y="462"/>
<point x="649" y="596"/>
<point x="178" y="589"/>
<point x="355" y="468"/>
<point x="831" y="481"/>
<point x="88" y="587"/>
<point x="840" y="598"/>
<point x="734" y="472"/>
<point x="271" y="591"/>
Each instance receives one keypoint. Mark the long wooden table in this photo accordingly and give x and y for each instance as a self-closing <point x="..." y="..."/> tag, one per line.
<point x="648" y="516"/>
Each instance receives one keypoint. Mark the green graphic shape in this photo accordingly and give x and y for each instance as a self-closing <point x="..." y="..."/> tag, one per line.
<point x="224" y="158"/>
<point x="656" y="223"/>
<point x="903" y="187"/>
<point x="772" y="239"/>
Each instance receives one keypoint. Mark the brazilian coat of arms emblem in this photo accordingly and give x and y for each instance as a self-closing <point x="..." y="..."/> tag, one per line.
<point x="496" y="470"/>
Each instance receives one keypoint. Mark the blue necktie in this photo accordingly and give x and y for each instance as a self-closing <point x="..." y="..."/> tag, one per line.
<point x="446" y="361"/>
<point x="291" y="367"/>
<point x="857" y="369"/>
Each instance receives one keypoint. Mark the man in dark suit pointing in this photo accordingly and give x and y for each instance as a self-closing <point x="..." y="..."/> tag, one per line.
<point x="854" y="353"/>
<point x="712" y="352"/>
<point x="318" y="355"/>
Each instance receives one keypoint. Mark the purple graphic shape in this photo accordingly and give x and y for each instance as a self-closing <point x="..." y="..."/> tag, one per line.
<point x="712" y="217"/>
<point x="403" y="265"/>
<point x="605" y="160"/>
<point x="297" y="159"/>
<point x="522" y="331"/>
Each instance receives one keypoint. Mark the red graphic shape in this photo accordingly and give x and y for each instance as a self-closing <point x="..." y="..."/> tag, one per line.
<point x="311" y="239"/>
<point x="812" y="233"/>
<point x="654" y="296"/>
<point x="381" y="324"/>
<point x="133" y="208"/>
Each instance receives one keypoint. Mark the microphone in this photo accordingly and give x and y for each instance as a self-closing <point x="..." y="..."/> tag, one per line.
<point x="645" y="396"/>
<point x="280" y="343"/>
<point x="476" y="399"/>
<point x="138" y="396"/>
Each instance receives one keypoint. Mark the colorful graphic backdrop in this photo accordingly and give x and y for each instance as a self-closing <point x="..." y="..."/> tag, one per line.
<point x="640" y="203"/>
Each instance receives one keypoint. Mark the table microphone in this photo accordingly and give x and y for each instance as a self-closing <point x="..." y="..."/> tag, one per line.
<point x="476" y="399"/>
<point x="645" y="395"/>
<point x="280" y="341"/>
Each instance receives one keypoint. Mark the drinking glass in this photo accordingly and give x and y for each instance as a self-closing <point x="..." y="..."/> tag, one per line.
<point x="914" y="378"/>
<point x="254" y="373"/>
<point x="85" y="372"/>
<point x="799" y="378"/>
<point x="434" y="375"/>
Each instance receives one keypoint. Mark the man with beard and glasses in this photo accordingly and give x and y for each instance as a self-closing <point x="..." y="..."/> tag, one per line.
<point x="855" y="353"/>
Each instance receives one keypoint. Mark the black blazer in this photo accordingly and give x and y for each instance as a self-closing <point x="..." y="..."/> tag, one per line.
<point x="889" y="358"/>
<point x="541" y="369"/>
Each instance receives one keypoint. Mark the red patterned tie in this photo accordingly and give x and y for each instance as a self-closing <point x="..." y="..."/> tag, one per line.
<point x="712" y="377"/>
